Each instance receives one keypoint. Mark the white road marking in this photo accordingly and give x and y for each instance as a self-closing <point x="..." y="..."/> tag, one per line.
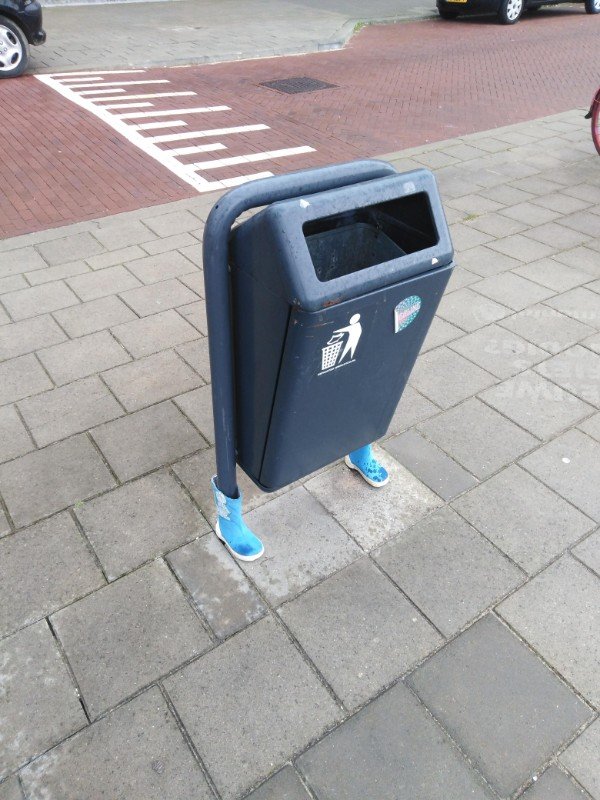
<point x="150" y="126"/>
<point x="199" y="148"/>
<point x="213" y="132"/>
<point x="219" y="163"/>
<point x="87" y="96"/>
<point x="202" y="110"/>
<point x="122" y="83"/>
<point x="144" y="96"/>
<point x="66" y="75"/>
<point x="111" y="92"/>
<point x="129" y="105"/>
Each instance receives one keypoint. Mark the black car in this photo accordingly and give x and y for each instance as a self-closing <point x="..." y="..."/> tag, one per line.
<point x="20" y="26"/>
<point x="507" y="11"/>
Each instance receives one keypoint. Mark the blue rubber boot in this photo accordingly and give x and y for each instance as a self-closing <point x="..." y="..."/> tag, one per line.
<point x="231" y="528"/>
<point x="365" y="463"/>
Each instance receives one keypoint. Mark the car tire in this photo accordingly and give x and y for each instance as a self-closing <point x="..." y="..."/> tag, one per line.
<point x="444" y="14"/>
<point x="510" y="11"/>
<point x="14" y="49"/>
<point x="592" y="6"/>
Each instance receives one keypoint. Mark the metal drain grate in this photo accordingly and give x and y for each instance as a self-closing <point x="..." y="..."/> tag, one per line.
<point x="298" y="85"/>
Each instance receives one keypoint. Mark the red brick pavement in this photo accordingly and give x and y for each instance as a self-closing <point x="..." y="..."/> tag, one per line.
<point x="398" y="86"/>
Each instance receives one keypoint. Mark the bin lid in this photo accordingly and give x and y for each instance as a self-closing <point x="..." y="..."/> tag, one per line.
<point x="300" y="225"/>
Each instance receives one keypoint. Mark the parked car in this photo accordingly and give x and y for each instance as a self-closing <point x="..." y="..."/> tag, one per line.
<point x="20" y="26"/>
<point x="507" y="11"/>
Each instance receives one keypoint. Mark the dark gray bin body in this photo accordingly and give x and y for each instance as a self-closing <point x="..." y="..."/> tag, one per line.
<point x="301" y="271"/>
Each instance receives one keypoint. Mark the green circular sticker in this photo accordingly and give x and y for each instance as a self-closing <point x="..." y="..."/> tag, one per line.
<point x="406" y="312"/>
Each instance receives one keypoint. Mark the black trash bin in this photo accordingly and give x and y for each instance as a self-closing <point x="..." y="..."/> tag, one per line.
<point x="332" y="296"/>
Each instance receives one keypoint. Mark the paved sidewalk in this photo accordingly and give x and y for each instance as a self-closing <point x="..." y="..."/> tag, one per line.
<point x="436" y="640"/>
<point x="204" y="31"/>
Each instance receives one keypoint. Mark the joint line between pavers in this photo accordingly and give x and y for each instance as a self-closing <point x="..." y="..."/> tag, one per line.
<point x="90" y="547"/>
<point x="64" y="657"/>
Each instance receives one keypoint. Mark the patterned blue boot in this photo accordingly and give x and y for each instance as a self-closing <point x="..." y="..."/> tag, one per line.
<point x="365" y="463"/>
<point x="231" y="528"/>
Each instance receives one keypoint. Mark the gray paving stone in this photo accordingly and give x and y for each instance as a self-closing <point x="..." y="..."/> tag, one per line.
<point x="194" y="254"/>
<point x="11" y="283"/>
<point x="523" y="248"/>
<point x="102" y="283"/>
<point x="303" y="542"/>
<point x="460" y="278"/>
<point x="118" y="233"/>
<point x="430" y="464"/>
<point x="142" y="337"/>
<point x="196" y="355"/>
<point x="173" y="223"/>
<point x="152" y="269"/>
<point x="11" y="790"/>
<point x="14" y="439"/>
<point x="150" y="380"/>
<point x="38" y="300"/>
<point x="197" y="406"/>
<point x="169" y="243"/>
<point x="4" y="318"/>
<point x="40" y="706"/>
<point x="4" y="525"/>
<point x="147" y="439"/>
<point x="563" y="203"/>
<point x="592" y="426"/>
<point x="513" y="291"/>
<point x="577" y="370"/>
<point x="582" y="759"/>
<point x="580" y="304"/>
<point x="477" y="437"/>
<point x="285" y="785"/>
<point x="446" y="378"/>
<point x="530" y="213"/>
<point x="585" y="222"/>
<point x="483" y="262"/>
<point x="20" y="260"/>
<point x="470" y="310"/>
<point x="444" y="552"/>
<point x="195" y="313"/>
<point x="439" y="333"/>
<point x="557" y="613"/>
<point x="554" y="785"/>
<point x="412" y="408"/>
<point x="85" y="356"/>
<point x="41" y="483"/>
<point x="497" y="225"/>
<point x="21" y="377"/>
<point x="533" y="528"/>
<point x="571" y="466"/>
<point x="373" y="516"/>
<point x="582" y="258"/>
<point x="498" y="351"/>
<point x="294" y="709"/>
<point x="378" y="633"/>
<point x="558" y="277"/>
<point x="589" y="552"/>
<point x="395" y="746"/>
<point x="465" y="237"/>
<point x="216" y="584"/>
<point x="139" y="521"/>
<point x="557" y="236"/>
<point x="158" y="297"/>
<point x="499" y="702"/>
<point x="547" y="328"/>
<point x="70" y="409"/>
<point x="115" y="257"/>
<point x="137" y="749"/>
<point x="44" y="568"/>
<point x="70" y="248"/>
<point x="536" y="404"/>
<point x="56" y="273"/>
<point x="137" y="628"/>
<point x="97" y="315"/>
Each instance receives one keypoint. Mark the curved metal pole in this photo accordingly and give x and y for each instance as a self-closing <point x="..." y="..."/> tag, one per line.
<point x="216" y="279"/>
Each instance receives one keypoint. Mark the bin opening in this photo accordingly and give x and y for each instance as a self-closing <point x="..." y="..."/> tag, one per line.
<point x="364" y="237"/>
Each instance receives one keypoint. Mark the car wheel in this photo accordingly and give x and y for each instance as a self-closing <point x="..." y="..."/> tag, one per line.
<point x="444" y="14"/>
<point x="510" y="11"/>
<point x="14" y="50"/>
<point x="592" y="6"/>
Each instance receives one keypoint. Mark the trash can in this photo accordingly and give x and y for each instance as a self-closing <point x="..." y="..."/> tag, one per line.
<point x="332" y="296"/>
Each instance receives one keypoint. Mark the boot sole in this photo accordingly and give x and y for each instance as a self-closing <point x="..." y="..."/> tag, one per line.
<point x="232" y="551"/>
<point x="375" y="484"/>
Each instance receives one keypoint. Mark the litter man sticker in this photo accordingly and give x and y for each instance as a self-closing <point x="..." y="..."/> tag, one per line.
<point x="342" y="345"/>
<point x="406" y="312"/>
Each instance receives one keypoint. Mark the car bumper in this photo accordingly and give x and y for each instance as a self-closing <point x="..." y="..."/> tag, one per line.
<point x="470" y="7"/>
<point x="30" y="19"/>
<point x="39" y="37"/>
